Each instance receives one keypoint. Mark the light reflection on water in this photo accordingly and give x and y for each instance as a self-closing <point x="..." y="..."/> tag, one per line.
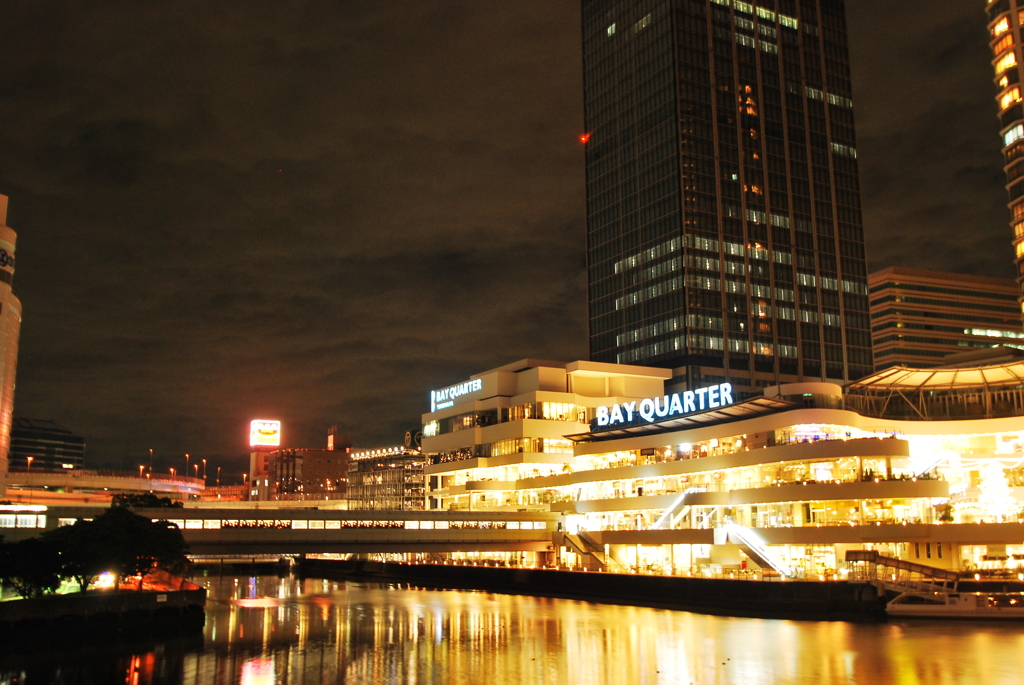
<point x="269" y="630"/>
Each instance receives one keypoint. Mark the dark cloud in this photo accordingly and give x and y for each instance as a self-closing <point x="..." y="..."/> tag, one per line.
<point x="928" y="139"/>
<point x="320" y="211"/>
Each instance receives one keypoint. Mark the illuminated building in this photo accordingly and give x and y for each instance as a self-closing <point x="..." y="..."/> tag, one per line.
<point x="386" y="479"/>
<point x="51" y="446"/>
<point x="724" y="226"/>
<point x="926" y="465"/>
<point x="10" y="329"/>
<point x="264" y="436"/>
<point x="511" y="423"/>
<point x="920" y="317"/>
<point x="1005" y="21"/>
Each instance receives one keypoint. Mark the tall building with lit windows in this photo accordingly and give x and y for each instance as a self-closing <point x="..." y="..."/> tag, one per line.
<point x="10" y="332"/>
<point x="919" y="317"/>
<point x="1005" y="20"/>
<point x="723" y="206"/>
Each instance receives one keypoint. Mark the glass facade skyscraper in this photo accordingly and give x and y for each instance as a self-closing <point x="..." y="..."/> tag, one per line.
<point x="1005" y="20"/>
<point x="723" y="203"/>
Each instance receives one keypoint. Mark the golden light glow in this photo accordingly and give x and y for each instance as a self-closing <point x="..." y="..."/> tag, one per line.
<point x="1009" y="60"/>
<point x="1006" y="42"/>
<point x="105" y="581"/>
<point x="1002" y="26"/>
<point x="1009" y="97"/>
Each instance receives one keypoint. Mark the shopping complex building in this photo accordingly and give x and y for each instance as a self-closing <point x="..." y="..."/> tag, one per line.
<point x="925" y="465"/>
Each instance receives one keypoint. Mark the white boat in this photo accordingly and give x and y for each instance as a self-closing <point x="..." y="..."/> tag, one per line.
<point x="979" y="605"/>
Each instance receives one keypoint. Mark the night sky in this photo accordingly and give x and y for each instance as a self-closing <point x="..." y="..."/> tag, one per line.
<point x="318" y="211"/>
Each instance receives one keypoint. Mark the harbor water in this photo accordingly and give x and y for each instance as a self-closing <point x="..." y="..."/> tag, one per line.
<point x="266" y="629"/>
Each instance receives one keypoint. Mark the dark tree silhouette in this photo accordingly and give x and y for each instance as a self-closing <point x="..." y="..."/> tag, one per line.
<point x="32" y="567"/>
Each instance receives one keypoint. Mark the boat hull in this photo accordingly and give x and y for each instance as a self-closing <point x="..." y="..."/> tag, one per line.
<point x="958" y="605"/>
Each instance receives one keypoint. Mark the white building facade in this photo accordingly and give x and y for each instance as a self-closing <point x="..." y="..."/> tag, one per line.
<point x="926" y="466"/>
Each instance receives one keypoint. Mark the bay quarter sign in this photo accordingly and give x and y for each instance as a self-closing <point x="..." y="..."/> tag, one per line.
<point x="673" y="406"/>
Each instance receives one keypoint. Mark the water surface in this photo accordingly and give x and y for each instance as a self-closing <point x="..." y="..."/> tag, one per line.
<point x="281" y="630"/>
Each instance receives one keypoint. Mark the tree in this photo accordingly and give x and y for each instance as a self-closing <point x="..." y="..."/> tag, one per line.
<point x="83" y="555"/>
<point x="120" y="542"/>
<point x="135" y="545"/>
<point x="144" y="500"/>
<point x="32" y="567"/>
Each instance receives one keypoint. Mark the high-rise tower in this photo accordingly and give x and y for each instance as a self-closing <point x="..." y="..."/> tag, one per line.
<point x="1005" y="20"/>
<point x="10" y="329"/>
<point x="724" y="232"/>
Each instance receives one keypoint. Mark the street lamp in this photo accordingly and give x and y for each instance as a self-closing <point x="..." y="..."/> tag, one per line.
<point x="204" y="470"/>
<point x="172" y="472"/>
<point x="218" y="476"/>
<point x="29" y="460"/>
<point x="186" y="464"/>
<point x="196" y="467"/>
<point x="141" y="466"/>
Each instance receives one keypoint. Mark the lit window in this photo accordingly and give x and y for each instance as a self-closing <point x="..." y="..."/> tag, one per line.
<point x="746" y="41"/>
<point x="1003" y="44"/>
<point x="1009" y="97"/>
<point x="642" y="24"/>
<point x="840" y="100"/>
<point x="611" y="30"/>
<point x="1007" y="61"/>
<point x="831" y="319"/>
<point x="1014" y="134"/>
<point x="743" y="7"/>
<point x="1004" y="81"/>
<point x="1018" y="230"/>
<point x="1020" y="249"/>
<point x="1002" y="26"/>
<point x="765" y="13"/>
<point x="845" y="150"/>
<point x="815" y="93"/>
<point x="789" y="22"/>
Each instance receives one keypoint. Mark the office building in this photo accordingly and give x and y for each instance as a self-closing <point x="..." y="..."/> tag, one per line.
<point x="10" y="330"/>
<point x="295" y="473"/>
<point x="723" y="203"/>
<point x="919" y="317"/>
<point x="301" y="474"/>
<point x="1005" y="20"/>
<point x="49" y="445"/>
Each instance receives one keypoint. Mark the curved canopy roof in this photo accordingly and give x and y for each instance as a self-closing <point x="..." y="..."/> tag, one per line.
<point x="906" y="380"/>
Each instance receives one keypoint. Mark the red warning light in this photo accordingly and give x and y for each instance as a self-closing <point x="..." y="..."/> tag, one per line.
<point x="584" y="138"/>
